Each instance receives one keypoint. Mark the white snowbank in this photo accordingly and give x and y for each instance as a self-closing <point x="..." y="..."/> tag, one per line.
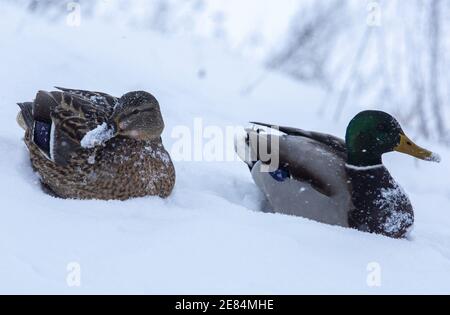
<point x="208" y="237"/>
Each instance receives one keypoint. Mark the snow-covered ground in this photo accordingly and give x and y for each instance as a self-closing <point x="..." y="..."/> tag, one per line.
<point x="208" y="237"/>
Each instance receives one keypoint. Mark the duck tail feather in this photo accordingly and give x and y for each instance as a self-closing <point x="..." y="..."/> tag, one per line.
<point x="25" y="116"/>
<point x="246" y="146"/>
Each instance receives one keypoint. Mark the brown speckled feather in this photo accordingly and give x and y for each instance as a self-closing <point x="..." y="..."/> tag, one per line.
<point x="123" y="169"/>
<point x="120" y="169"/>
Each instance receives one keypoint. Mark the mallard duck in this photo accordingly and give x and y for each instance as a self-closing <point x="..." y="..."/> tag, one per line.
<point x="91" y="145"/>
<point x="326" y="179"/>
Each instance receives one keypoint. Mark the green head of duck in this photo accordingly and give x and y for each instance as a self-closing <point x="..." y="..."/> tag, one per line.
<point x="373" y="133"/>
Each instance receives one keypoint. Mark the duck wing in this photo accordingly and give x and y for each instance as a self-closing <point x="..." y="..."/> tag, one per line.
<point x="58" y="121"/>
<point x="97" y="98"/>
<point x="333" y="142"/>
<point x="311" y="181"/>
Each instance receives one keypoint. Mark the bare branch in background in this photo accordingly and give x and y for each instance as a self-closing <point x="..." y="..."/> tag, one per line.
<point x="397" y="69"/>
<point x="396" y="66"/>
<point x="308" y="45"/>
<point x="435" y="38"/>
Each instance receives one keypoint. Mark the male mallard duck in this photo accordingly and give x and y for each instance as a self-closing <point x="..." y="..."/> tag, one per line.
<point x="91" y="145"/>
<point x="325" y="179"/>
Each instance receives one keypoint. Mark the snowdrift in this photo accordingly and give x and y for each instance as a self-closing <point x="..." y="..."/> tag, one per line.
<point x="208" y="237"/>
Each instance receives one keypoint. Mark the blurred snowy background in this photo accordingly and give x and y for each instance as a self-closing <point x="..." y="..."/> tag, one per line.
<point x="311" y="64"/>
<point x="391" y="55"/>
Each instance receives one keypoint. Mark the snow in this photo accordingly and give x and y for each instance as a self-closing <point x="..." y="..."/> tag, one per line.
<point x="98" y="136"/>
<point x="363" y="168"/>
<point x="209" y="236"/>
<point x="435" y="158"/>
<point x="390" y="200"/>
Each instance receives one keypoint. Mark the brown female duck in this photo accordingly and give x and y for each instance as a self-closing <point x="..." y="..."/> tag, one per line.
<point x="91" y="145"/>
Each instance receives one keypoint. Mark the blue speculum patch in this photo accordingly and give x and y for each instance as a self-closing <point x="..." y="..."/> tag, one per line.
<point x="41" y="136"/>
<point x="280" y="175"/>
